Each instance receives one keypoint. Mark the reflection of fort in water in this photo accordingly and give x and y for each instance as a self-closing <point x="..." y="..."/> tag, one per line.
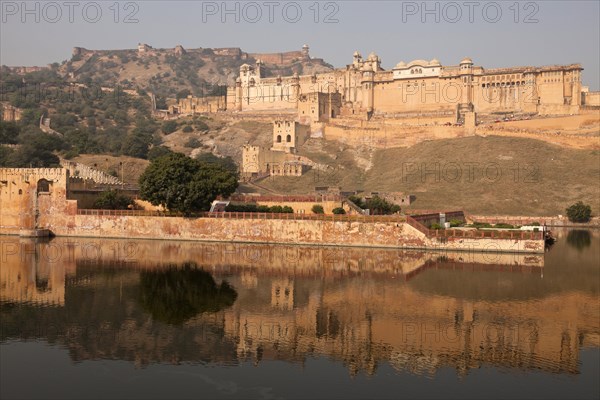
<point x="417" y="311"/>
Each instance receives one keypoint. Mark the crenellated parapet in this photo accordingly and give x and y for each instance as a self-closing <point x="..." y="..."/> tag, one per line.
<point x="27" y="174"/>
<point x="86" y="172"/>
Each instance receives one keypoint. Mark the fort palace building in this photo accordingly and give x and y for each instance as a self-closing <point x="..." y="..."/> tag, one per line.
<point x="364" y="88"/>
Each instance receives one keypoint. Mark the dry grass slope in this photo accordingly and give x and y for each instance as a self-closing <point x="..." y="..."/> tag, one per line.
<point x="491" y="175"/>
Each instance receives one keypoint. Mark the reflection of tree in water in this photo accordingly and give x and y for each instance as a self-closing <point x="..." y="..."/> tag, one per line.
<point x="579" y="239"/>
<point x="177" y="294"/>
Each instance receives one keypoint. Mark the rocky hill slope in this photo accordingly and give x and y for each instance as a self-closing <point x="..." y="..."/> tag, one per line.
<point x="166" y="72"/>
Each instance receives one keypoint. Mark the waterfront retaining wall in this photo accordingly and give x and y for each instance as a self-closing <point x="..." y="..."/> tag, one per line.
<point x="392" y="234"/>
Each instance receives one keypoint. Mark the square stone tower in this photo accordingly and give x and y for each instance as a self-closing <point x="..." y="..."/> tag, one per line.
<point x="288" y="135"/>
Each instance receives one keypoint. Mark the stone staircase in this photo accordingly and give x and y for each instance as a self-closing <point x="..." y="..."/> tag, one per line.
<point x="86" y="172"/>
<point x="355" y="208"/>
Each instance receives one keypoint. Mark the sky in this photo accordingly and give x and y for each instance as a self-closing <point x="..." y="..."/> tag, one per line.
<point x="494" y="34"/>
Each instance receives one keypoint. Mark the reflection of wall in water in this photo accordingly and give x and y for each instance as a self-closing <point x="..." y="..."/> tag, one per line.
<point x="30" y="275"/>
<point x="349" y="304"/>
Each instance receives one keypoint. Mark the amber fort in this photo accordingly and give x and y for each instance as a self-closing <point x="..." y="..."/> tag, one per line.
<point x="364" y="89"/>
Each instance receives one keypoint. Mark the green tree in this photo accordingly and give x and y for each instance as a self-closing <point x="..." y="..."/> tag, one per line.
<point x="136" y="145"/>
<point x="36" y="150"/>
<point x="5" y="154"/>
<point x="161" y="103"/>
<point x="169" y="127"/>
<point x="180" y="183"/>
<point x="318" y="209"/>
<point x="182" y="94"/>
<point x="339" y="210"/>
<point x="579" y="212"/>
<point x="201" y="126"/>
<point x="358" y="201"/>
<point x="9" y="131"/>
<point x="379" y="206"/>
<point x="193" y="143"/>
<point x="29" y="155"/>
<point x="225" y="162"/>
<point x="113" y="200"/>
<point x="158" y="151"/>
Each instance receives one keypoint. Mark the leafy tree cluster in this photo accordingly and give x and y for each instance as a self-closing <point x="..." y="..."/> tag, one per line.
<point x="193" y="143"/>
<point x="225" y="162"/>
<point x="9" y="132"/>
<point x="201" y="126"/>
<point x="186" y="68"/>
<point x="579" y="212"/>
<point x="113" y="200"/>
<point x="184" y="93"/>
<point x="36" y="149"/>
<point x="158" y="151"/>
<point x="183" y="184"/>
<point x="168" y="127"/>
<point x="376" y="205"/>
<point x="92" y="121"/>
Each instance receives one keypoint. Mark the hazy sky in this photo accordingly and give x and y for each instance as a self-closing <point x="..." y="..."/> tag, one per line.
<point x="494" y="34"/>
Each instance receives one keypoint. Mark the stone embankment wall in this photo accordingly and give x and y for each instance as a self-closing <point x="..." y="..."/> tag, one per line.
<point x="36" y="199"/>
<point x="341" y="232"/>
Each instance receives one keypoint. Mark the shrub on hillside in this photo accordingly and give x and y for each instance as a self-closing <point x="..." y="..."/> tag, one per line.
<point x="169" y="127"/>
<point x="339" y="210"/>
<point x="201" y="126"/>
<point x="192" y="143"/>
<point x="318" y="209"/>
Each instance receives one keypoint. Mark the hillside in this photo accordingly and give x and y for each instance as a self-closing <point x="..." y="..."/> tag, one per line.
<point x="487" y="175"/>
<point x="535" y="166"/>
<point x="165" y="72"/>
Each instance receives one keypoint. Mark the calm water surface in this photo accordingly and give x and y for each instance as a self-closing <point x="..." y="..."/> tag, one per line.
<point x="86" y="318"/>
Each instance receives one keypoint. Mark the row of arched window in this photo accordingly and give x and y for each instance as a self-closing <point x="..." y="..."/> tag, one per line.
<point x="502" y="84"/>
<point x="288" y="138"/>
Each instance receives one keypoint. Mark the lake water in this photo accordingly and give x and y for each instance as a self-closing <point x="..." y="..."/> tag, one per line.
<point x="87" y="318"/>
